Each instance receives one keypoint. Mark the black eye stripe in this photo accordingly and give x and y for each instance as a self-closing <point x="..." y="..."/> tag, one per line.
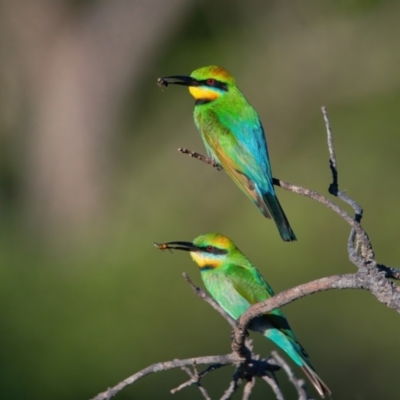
<point x="215" y="83"/>
<point x="214" y="250"/>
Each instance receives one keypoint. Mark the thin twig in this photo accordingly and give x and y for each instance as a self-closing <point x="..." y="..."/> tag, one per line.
<point x="334" y="186"/>
<point x="273" y="383"/>
<point x="228" y="359"/>
<point x="332" y="157"/>
<point x="203" y="391"/>
<point x="190" y="382"/>
<point x="248" y="388"/>
<point x="205" y="159"/>
<point x="367" y="252"/>
<point x="312" y="194"/>
<point x="233" y="385"/>
<point x="297" y="383"/>
<point x="195" y="378"/>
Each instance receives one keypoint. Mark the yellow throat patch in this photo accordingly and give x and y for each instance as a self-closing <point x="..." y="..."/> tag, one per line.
<point x="202" y="261"/>
<point x="203" y="93"/>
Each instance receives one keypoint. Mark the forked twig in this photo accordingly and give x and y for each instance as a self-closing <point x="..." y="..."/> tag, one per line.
<point x="195" y="378"/>
<point x="299" y="384"/>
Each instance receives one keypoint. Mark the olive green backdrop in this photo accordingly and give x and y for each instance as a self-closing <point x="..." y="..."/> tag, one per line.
<point x="83" y="306"/>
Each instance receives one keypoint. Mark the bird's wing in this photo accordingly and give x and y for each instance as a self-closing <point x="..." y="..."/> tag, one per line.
<point x="251" y="145"/>
<point x="249" y="170"/>
<point x="242" y="180"/>
<point x="251" y="285"/>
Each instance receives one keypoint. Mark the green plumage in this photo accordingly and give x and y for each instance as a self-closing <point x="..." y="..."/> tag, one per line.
<point x="236" y="284"/>
<point x="234" y="137"/>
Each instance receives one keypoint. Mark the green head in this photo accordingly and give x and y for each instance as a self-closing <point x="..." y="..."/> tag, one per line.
<point x="208" y="251"/>
<point x="206" y="84"/>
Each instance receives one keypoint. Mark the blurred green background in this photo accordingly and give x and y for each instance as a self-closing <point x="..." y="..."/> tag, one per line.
<point x="90" y="177"/>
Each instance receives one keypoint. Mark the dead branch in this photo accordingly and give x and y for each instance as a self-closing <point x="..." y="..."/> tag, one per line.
<point x="227" y="359"/>
<point x="371" y="276"/>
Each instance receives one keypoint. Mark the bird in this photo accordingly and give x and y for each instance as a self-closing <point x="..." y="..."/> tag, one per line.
<point x="236" y="284"/>
<point x="234" y="137"/>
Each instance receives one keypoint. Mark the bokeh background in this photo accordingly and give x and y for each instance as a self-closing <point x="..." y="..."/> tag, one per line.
<point x="90" y="177"/>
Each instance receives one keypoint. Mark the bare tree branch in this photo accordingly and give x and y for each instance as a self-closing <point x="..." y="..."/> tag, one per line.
<point x="348" y="281"/>
<point x="198" y="156"/>
<point x="299" y="384"/>
<point x="227" y="359"/>
<point x="273" y="383"/>
<point x="370" y="276"/>
<point x="292" y="188"/>
<point x="248" y="387"/>
<point x="195" y="378"/>
<point x="233" y="385"/>
<point x="332" y="156"/>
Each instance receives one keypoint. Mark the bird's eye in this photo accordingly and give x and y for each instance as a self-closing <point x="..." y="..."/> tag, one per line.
<point x="209" y="248"/>
<point x="211" y="81"/>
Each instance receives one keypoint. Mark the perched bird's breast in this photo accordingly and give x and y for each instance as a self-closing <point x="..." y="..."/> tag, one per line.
<point x="224" y="293"/>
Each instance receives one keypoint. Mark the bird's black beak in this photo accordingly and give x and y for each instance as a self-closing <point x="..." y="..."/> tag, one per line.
<point x="186" y="246"/>
<point x="177" y="80"/>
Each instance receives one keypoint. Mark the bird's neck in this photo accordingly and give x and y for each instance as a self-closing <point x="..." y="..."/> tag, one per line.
<point x="203" y="95"/>
<point x="205" y="263"/>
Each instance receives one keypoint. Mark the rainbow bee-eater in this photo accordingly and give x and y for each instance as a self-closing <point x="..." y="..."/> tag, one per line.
<point x="234" y="137"/>
<point x="235" y="284"/>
